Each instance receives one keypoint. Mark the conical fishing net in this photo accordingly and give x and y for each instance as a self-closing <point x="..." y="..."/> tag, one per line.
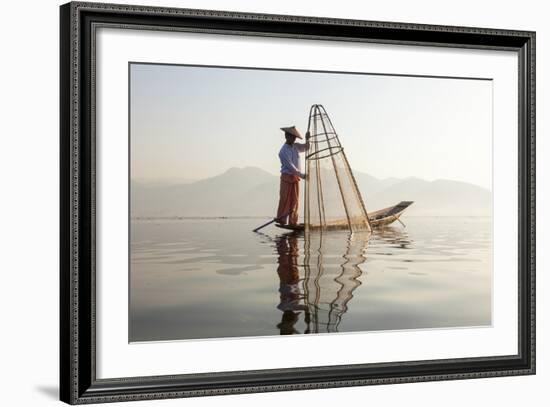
<point x="332" y="199"/>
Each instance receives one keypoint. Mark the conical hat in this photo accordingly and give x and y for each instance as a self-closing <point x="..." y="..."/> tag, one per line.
<point x="292" y="130"/>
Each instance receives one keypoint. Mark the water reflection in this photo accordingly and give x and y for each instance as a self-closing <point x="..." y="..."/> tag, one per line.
<point x="331" y="272"/>
<point x="392" y="238"/>
<point x="204" y="279"/>
<point x="291" y="294"/>
<point x="330" y="280"/>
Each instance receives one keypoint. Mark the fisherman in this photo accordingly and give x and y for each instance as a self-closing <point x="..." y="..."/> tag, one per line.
<point x="291" y="174"/>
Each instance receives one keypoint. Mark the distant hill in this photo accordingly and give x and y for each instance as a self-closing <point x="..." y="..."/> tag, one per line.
<point x="435" y="198"/>
<point x="251" y="191"/>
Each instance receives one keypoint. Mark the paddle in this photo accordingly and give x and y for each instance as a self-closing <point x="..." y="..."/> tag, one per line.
<point x="270" y="222"/>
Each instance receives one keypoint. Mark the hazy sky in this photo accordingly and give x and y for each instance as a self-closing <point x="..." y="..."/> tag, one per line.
<point x="189" y="123"/>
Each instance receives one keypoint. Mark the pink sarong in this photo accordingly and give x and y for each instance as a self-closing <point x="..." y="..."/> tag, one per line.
<point x="289" y="193"/>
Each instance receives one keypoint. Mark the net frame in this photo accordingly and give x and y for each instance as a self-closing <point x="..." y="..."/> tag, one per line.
<point x="325" y="147"/>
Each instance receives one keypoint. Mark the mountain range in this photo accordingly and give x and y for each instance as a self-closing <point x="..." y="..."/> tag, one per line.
<point x="251" y="191"/>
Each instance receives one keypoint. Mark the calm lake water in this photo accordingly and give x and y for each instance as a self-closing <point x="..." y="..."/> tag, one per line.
<point x="211" y="278"/>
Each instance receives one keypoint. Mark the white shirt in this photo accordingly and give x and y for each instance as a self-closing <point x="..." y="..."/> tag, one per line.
<point x="290" y="158"/>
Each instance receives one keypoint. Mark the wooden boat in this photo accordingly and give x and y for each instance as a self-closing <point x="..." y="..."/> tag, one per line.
<point x="296" y="228"/>
<point x="384" y="217"/>
<point x="378" y="219"/>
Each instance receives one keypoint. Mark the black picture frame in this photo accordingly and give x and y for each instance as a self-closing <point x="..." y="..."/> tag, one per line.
<point x="78" y="382"/>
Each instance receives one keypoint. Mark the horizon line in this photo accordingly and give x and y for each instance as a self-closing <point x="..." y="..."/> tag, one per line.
<point x="180" y="181"/>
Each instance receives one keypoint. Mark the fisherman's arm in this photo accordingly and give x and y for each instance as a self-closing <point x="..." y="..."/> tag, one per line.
<point x="301" y="147"/>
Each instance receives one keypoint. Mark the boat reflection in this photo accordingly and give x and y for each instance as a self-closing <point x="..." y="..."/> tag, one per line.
<point x="321" y="287"/>
<point x="396" y="237"/>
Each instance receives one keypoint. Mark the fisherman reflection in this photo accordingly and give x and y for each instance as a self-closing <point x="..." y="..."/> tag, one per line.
<point x="289" y="287"/>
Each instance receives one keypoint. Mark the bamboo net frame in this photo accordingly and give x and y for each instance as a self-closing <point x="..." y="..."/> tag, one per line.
<point x="332" y="198"/>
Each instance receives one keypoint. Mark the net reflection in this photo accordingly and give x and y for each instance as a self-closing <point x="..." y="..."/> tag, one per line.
<point x="321" y="287"/>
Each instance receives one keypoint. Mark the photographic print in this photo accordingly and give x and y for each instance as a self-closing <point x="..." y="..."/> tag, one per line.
<point x="229" y="179"/>
<point x="274" y="202"/>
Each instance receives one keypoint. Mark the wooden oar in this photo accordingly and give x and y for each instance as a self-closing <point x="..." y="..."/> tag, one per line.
<point x="399" y="220"/>
<point x="270" y="222"/>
